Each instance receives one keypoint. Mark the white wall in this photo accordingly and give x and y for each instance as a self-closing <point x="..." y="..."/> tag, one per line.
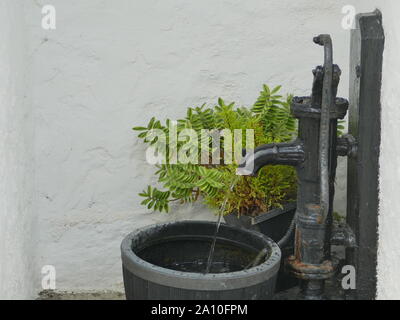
<point x="389" y="215"/>
<point x="111" y="65"/>
<point x="17" y="221"/>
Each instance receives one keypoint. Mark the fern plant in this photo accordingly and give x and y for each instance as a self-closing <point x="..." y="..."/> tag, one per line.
<point x="271" y="121"/>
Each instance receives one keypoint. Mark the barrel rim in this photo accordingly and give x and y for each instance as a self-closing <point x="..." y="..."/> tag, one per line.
<point x="198" y="281"/>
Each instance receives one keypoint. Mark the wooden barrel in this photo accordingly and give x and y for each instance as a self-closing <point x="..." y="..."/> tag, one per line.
<point x="167" y="262"/>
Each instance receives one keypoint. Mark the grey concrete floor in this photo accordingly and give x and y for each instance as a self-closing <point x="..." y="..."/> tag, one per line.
<point x="90" y="295"/>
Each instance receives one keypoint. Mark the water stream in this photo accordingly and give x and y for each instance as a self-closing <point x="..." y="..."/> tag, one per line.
<point x="219" y="220"/>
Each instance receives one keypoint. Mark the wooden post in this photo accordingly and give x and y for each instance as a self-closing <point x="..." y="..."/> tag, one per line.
<point x="367" y="43"/>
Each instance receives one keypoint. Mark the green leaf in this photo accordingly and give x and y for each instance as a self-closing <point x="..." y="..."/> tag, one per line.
<point x="139" y="128"/>
<point x="276" y="89"/>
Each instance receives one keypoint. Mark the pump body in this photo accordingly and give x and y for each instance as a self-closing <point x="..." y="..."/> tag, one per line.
<point x="314" y="155"/>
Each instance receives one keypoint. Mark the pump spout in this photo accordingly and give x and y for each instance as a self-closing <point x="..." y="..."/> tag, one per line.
<point x="291" y="154"/>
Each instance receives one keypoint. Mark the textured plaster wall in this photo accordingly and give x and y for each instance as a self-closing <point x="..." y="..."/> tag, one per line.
<point x="111" y="65"/>
<point x="17" y="220"/>
<point x="389" y="215"/>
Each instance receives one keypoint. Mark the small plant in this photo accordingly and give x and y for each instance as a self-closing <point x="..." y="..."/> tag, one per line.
<point x="274" y="186"/>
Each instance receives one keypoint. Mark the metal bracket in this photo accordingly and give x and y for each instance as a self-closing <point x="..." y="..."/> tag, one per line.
<point x="346" y="146"/>
<point x="342" y="235"/>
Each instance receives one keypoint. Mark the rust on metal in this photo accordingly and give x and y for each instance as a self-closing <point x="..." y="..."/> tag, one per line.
<point x="310" y="271"/>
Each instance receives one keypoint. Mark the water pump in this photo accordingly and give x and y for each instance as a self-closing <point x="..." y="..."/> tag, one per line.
<point x="314" y="154"/>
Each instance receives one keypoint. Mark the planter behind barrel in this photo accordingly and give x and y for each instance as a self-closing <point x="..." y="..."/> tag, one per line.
<point x="274" y="225"/>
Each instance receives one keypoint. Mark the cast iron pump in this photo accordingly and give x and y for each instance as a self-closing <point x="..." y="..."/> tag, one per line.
<point x="314" y="155"/>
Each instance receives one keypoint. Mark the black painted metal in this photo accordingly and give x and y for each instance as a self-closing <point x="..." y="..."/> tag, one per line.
<point x="290" y="154"/>
<point x="150" y="254"/>
<point x="367" y="44"/>
<point x="343" y="235"/>
<point x="346" y="146"/>
<point x="312" y="261"/>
